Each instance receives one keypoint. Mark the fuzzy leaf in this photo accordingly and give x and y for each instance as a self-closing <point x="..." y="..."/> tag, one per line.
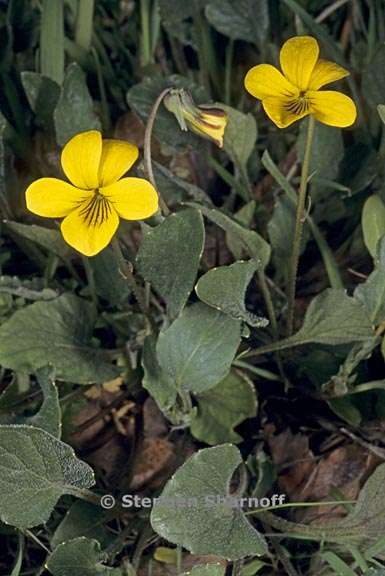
<point x="222" y="408"/>
<point x="48" y="418"/>
<point x="246" y="20"/>
<point x="47" y="238"/>
<point x="206" y="570"/>
<point x="79" y="557"/>
<point x="240" y="135"/>
<point x="74" y="112"/>
<point x="36" y="470"/>
<point x="224" y="288"/>
<point x="253" y="244"/>
<point x="59" y="333"/>
<point x="203" y="528"/>
<point x="372" y="292"/>
<point x="161" y="261"/>
<point x="197" y="350"/>
<point x="159" y="385"/>
<point x="373" y="222"/>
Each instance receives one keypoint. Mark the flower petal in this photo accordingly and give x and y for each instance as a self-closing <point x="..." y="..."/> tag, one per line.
<point x="298" y="57"/>
<point x="264" y="81"/>
<point x="132" y="198"/>
<point x="53" y="198"/>
<point x="80" y="159"/>
<point x="280" y="111"/>
<point x="117" y="157"/>
<point x="89" y="238"/>
<point x="325" y="72"/>
<point x="332" y="107"/>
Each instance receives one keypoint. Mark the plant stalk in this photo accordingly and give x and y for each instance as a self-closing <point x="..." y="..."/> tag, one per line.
<point x="147" y="148"/>
<point x="299" y="222"/>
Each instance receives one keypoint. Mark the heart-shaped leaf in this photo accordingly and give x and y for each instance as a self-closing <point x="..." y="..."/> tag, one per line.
<point x="36" y="470"/>
<point x="224" y="288"/>
<point x="197" y="350"/>
<point x="79" y="557"/>
<point x="169" y="257"/>
<point x="196" y="520"/>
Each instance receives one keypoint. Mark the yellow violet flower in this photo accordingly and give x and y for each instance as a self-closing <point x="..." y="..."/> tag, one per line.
<point x="205" y="120"/>
<point x="97" y="196"/>
<point x="296" y="93"/>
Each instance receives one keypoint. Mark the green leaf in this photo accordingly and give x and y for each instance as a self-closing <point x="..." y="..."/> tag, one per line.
<point x="42" y="94"/>
<point x="372" y="292"/>
<point x="48" y="417"/>
<point x="47" y="238"/>
<point x="74" y="112"/>
<point x="240" y="135"/>
<point x="381" y="111"/>
<point x="245" y="217"/>
<point x="224" y="288"/>
<point x="222" y="408"/>
<point x="57" y="332"/>
<point x="337" y="564"/>
<point x="368" y="515"/>
<point x="197" y="350"/>
<point x="86" y="520"/>
<point x="335" y="318"/>
<point x="109" y="282"/>
<point x="326" y="155"/>
<point x="30" y="289"/>
<point x="155" y="380"/>
<point x="79" y="557"/>
<point x="202" y="525"/>
<point x="246" y="20"/>
<point x="36" y="469"/>
<point x="253" y="244"/>
<point x="142" y="97"/>
<point x="170" y="270"/>
<point x="373" y="81"/>
<point x="373" y="223"/>
<point x="206" y="570"/>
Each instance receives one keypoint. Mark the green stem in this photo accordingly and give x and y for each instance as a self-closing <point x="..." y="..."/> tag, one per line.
<point x="299" y="505"/>
<point x="299" y="222"/>
<point x="146" y="36"/>
<point x="268" y="302"/>
<point x="125" y="269"/>
<point x="147" y="148"/>
<point x="84" y="494"/>
<point x="90" y="280"/>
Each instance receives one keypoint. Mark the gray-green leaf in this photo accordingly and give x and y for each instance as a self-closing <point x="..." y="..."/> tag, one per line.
<point x="253" y="244"/>
<point x="159" y="385"/>
<point x="204" y="526"/>
<point x="246" y="20"/>
<point x="57" y="332"/>
<point x="372" y="292"/>
<point x="206" y="570"/>
<point x="224" y="288"/>
<point x="373" y="222"/>
<point x="197" y="350"/>
<point x="169" y="257"/>
<point x="240" y="135"/>
<point x="335" y="318"/>
<point x="48" y="418"/>
<point x="79" y="557"/>
<point x="74" y="112"/>
<point x="222" y="408"/>
<point x="47" y="238"/>
<point x="36" y="470"/>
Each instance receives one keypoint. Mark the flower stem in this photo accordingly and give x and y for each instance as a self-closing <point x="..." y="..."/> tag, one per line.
<point x="147" y="148"/>
<point x="127" y="273"/>
<point x="299" y="222"/>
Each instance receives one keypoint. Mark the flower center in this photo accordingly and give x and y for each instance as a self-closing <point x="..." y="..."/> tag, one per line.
<point x="298" y="105"/>
<point x="96" y="210"/>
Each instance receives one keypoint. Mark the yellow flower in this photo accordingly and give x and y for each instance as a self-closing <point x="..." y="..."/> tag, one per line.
<point x="296" y="93"/>
<point x="97" y="196"/>
<point x="207" y="121"/>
